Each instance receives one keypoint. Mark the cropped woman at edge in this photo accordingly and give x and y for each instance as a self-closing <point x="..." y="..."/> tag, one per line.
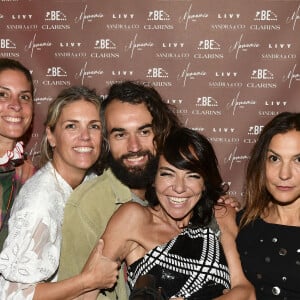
<point x="16" y="109"/>
<point x="30" y="257"/>
<point x="268" y="241"/>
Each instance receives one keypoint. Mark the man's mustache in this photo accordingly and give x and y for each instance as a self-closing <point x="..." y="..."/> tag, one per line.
<point x="135" y="154"/>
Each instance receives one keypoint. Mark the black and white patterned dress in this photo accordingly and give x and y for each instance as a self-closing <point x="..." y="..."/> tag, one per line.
<point x="192" y="265"/>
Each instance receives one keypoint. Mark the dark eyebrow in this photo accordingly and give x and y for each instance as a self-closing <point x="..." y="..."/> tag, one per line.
<point x="117" y="129"/>
<point x="270" y="150"/>
<point x="8" y="89"/>
<point x="77" y="121"/>
<point x="120" y="129"/>
<point x="166" y="169"/>
<point x="145" y="126"/>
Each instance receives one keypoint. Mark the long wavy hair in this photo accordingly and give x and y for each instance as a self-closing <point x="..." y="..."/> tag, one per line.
<point x="256" y="195"/>
<point x="187" y="149"/>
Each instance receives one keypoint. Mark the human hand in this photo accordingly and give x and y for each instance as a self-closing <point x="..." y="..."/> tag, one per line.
<point x="226" y="219"/>
<point x="99" y="272"/>
<point x="232" y="201"/>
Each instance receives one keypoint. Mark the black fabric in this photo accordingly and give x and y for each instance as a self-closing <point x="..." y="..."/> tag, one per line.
<point x="146" y="289"/>
<point x="270" y="256"/>
<point x="191" y="265"/>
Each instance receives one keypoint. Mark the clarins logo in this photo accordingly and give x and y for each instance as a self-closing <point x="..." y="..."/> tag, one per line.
<point x="43" y="99"/>
<point x="57" y="76"/>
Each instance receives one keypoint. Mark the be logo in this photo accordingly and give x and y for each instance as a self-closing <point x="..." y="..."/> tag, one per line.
<point x="206" y="101"/>
<point x="157" y="73"/>
<point x="158" y="15"/>
<point x="56" y="72"/>
<point x="261" y="74"/>
<point x="55" y="15"/>
<point x="104" y="44"/>
<point x="209" y="45"/>
<point x="255" y="130"/>
<point x="7" y="44"/>
<point x="265" y="15"/>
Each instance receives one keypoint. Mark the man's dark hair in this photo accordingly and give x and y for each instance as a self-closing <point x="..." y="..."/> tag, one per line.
<point x="133" y="92"/>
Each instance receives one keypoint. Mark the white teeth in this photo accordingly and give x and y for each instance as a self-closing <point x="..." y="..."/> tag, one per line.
<point x="134" y="159"/>
<point x="83" y="149"/>
<point x="177" y="200"/>
<point x="13" y="119"/>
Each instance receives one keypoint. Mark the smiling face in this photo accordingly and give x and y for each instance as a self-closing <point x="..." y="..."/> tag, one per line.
<point x="283" y="167"/>
<point x="178" y="191"/>
<point x="16" y="105"/>
<point x="130" y="136"/>
<point x="76" y="139"/>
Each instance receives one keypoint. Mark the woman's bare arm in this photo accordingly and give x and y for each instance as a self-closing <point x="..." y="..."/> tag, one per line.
<point x="241" y="288"/>
<point x="119" y="236"/>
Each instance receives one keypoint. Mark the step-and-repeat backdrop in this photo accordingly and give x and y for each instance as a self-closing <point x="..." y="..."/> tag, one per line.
<point x="228" y="66"/>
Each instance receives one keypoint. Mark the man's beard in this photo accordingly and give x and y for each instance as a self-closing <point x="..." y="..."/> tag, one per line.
<point x="134" y="177"/>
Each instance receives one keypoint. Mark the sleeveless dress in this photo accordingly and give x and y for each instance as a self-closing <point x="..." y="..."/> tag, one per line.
<point x="192" y="265"/>
<point x="270" y="256"/>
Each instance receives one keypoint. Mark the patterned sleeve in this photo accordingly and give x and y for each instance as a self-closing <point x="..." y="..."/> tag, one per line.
<point x="31" y="250"/>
